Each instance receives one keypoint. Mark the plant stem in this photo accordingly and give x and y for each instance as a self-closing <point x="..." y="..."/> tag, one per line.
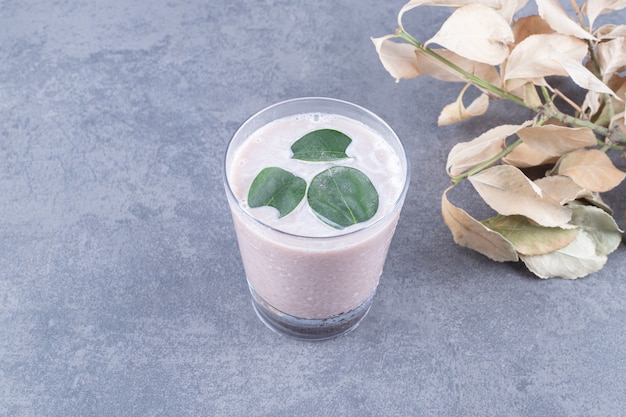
<point x="487" y="163"/>
<point x="613" y="136"/>
<point x="468" y="75"/>
<point x="579" y="14"/>
<point x="550" y="110"/>
<point x="553" y="112"/>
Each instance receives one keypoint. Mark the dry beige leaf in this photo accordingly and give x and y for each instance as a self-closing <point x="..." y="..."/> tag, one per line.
<point x="583" y="77"/>
<point x="554" y="140"/>
<point x="415" y="3"/>
<point x="531" y="97"/>
<point x="470" y="233"/>
<point x="457" y="112"/>
<point x="467" y="155"/>
<point x="530" y="25"/>
<point x="519" y="87"/>
<point x="619" y="120"/>
<point x="611" y="32"/>
<point x="612" y="57"/>
<point x="398" y="58"/>
<point x="564" y="190"/>
<point x="540" y="56"/>
<point x="592" y="169"/>
<point x="561" y="188"/>
<point x="594" y="8"/>
<point x="427" y="65"/>
<point x="552" y="12"/>
<point x="523" y="156"/>
<point x="466" y="34"/>
<point x="592" y="104"/>
<point x="506" y="8"/>
<point x="508" y="191"/>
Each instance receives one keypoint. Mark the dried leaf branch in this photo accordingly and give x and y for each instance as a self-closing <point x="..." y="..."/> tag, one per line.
<point x="557" y="225"/>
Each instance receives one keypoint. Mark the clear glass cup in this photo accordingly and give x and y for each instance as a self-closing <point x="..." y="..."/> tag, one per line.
<point x="313" y="287"/>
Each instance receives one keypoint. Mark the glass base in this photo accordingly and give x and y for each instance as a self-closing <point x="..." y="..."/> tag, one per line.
<point x="309" y="329"/>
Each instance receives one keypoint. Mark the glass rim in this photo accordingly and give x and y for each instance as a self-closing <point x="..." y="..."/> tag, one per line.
<point x="397" y="203"/>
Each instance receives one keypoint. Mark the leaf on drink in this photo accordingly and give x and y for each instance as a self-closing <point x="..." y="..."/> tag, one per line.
<point x="576" y="260"/>
<point x="528" y="238"/>
<point x="342" y="196"/>
<point x="472" y="234"/>
<point x="539" y="56"/>
<point x="467" y="155"/>
<point x="466" y="34"/>
<point x="592" y="169"/>
<point x="556" y="140"/>
<point x="398" y="59"/>
<point x="508" y="191"/>
<point x="523" y="156"/>
<point x="321" y="145"/>
<point x="278" y="188"/>
<point x="457" y="112"/>
<point x="552" y="12"/>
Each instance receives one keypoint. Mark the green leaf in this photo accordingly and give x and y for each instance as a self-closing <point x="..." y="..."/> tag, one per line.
<point x="321" y="145"/>
<point x="598" y="235"/>
<point x="600" y="226"/>
<point x="342" y="196"/>
<point x="275" y="187"/>
<point x="576" y="260"/>
<point x="529" y="238"/>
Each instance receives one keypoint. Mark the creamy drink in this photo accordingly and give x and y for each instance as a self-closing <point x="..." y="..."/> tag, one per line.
<point x="311" y="276"/>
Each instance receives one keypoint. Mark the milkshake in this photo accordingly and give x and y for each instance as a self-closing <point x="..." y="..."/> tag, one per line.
<point x="311" y="274"/>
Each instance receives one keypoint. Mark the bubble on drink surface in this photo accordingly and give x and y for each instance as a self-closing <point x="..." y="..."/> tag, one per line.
<point x="317" y="117"/>
<point x="382" y="156"/>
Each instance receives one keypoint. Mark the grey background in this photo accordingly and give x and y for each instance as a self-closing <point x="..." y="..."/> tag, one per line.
<point x="121" y="288"/>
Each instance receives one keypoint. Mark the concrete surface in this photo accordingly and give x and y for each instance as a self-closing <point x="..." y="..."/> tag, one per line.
<point x="121" y="288"/>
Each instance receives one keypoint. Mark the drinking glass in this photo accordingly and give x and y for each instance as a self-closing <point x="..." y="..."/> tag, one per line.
<point x="312" y="287"/>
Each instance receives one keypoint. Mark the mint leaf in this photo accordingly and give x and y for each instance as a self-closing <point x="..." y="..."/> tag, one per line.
<point x="342" y="196"/>
<point x="321" y="145"/>
<point x="276" y="188"/>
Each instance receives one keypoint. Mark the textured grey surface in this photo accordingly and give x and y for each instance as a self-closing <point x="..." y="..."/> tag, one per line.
<point x="121" y="288"/>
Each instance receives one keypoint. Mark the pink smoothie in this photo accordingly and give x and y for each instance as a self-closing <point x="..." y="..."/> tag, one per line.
<point x="298" y="264"/>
